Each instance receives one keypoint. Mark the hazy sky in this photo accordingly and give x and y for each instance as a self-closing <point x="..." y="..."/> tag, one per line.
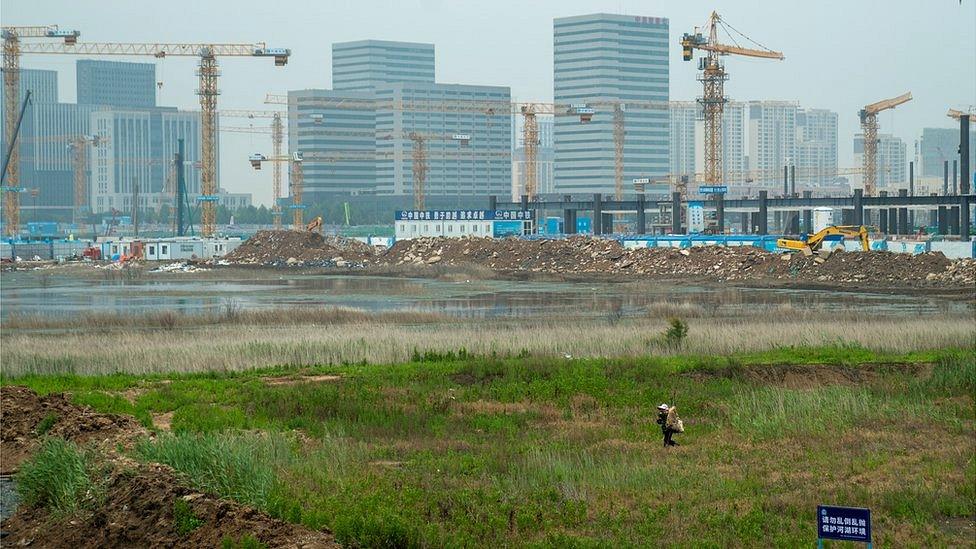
<point x="840" y="54"/>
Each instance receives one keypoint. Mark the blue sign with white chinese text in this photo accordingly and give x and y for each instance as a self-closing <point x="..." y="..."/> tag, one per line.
<point x="464" y="215"/>
<point x="844" y="523"/>
<point x="713" y="189"/>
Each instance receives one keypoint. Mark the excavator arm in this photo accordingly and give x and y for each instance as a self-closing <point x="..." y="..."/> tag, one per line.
<point x="815" y="241"/>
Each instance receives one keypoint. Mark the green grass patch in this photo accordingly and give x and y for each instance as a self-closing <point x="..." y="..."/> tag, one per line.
<point x="57" y="477"/>
<point x="184" y="519"/>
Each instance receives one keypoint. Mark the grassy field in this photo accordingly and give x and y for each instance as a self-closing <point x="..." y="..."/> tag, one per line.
<point x="450" y="449"/>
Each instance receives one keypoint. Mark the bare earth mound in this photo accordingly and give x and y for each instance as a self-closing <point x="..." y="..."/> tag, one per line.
<point x="301" y="249"/>
<point x="138" y="512"/>
<point x="138" y="507"/>
<point x="25" y="417"/>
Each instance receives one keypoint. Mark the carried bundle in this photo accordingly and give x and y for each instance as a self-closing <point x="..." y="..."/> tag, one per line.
<point x="674" y="422"/>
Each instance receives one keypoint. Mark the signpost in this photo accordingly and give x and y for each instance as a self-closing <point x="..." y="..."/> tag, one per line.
<point x="843" y="523"/>
<point x="713" y="189"/>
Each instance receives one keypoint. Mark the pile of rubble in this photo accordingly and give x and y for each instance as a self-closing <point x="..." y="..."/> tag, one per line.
<point x="294" y="248"/>
<point x="593" y="255"/>
<point x="586" y="255"/>
<point x="179" y="267"/>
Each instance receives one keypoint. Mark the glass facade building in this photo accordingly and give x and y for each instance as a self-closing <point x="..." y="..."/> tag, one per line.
<point x="355" y="138"/>
<point x="481" y="166"/>
<point x="116" y="83"/>
<point x="366" y="64"/>
<point x="601" y="60"/>
<point x="138" y="149"/>
<point x="336" y="133"/>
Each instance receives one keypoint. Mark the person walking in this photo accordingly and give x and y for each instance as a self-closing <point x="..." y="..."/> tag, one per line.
<point x="667" y="418"/>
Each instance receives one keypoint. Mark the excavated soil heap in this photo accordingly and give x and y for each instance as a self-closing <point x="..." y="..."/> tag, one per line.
<point x="594" y="255"/>
<point x="138" y="511"/>
<point x="301" y="248"/>
<point x="22" y="411"/>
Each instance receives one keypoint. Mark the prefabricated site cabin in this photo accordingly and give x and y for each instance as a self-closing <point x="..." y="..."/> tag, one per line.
<point x="457" y="223"/>
<point x="170" y="248"/>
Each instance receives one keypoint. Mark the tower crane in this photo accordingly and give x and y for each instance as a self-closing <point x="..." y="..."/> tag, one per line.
<point x="208" y="73"/>
<point x="277" y="140"/>
<point x="869" y="127"/>
<point x="713" y="77"/>
<point x="11" y="95"/>
<point x="296" y="178"/>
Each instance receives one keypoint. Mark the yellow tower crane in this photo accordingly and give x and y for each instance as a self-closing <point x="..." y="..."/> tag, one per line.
<point x="713" y="77"/>
<point x="869" y="127"/>
<point x="277" y="140"/>
<point x="12" y="49"/>
<point x="208" y="73"/>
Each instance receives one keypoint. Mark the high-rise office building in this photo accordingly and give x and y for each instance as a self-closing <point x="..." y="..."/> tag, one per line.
<point x="43" y="143"/>
<point x="684" y="115"/>
<point x="135" y="159"/>
<point x="366" y="64"/>
<point x="892" y="161"/>
<point x="816" y="148"/>
<point x="772" y="139"/>
<point x="336" y="133"/>
<point x="116" y="83"/>
<point x="688" y="142"/>
<point x="938" y="145"/>
<point x="43" y="85"/>
<point x="467" y="135"/>
<point x="604" y="59"/>
<point x="355" y="139"/>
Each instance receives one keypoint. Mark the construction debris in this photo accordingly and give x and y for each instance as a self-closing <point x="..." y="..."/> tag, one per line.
<point x="179" y="267"/>
<point x="594" y="255"/>
<point x="588" y="255"/>
<point x="302" y="249"/>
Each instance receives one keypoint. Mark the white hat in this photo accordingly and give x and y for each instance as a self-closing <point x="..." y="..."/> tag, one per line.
<point x="662" y="407"/>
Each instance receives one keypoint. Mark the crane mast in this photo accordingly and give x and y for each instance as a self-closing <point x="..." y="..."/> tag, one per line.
<point x="869" y="128"/>
<point x="530" y="143"/>
<point x="419" y="170"/>
<point x="277" y="134"/>
<point x="12" y="50"/>
<point x="713" y="77"/>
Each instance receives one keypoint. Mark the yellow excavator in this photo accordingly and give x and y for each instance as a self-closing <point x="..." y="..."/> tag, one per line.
<point x="314" y="225"/>
<point x="813" y="242"/>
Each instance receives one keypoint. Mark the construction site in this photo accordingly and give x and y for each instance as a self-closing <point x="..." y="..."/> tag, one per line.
<point x="434" y="314"/>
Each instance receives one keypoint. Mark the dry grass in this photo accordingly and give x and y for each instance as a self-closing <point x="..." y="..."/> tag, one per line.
<point x="229" y="314"/>
<point x="384" y="339"/>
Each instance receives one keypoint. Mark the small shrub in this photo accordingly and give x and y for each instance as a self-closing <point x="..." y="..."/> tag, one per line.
<point x="45" y="424"/>
<point x="674" y="336"/>
<point x="183" y="518"/>
<point x="57" y="477"/>
<point x="167" y="320"/>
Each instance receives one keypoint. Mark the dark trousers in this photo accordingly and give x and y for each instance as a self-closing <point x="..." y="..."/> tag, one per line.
<point x="668" y="433"/>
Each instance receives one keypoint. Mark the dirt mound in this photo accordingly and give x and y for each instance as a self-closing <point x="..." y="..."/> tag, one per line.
<point x="25" y="417"/>
<point x="138" y="510"/>
<point x="587" y="255"/>
<point x="301" y="249"/>
<point x="876" y="266"/>
<point x="596" y="255"/>
<point x="806" y="376"/>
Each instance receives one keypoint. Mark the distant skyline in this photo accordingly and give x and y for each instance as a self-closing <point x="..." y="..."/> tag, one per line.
<point x="840" y="55"/>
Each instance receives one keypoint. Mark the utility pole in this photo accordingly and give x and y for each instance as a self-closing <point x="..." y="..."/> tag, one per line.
<point x="135" y="207"/>
<point x="180" y="189"/>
